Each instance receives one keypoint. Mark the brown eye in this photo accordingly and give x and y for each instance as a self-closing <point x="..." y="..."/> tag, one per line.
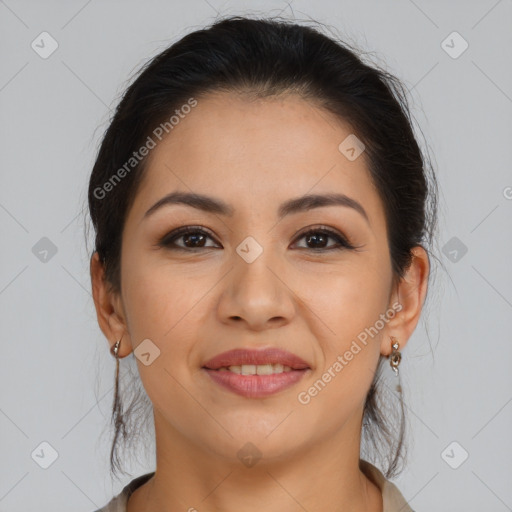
<point x="193" y="238"/>
<point x="316" y="240"/>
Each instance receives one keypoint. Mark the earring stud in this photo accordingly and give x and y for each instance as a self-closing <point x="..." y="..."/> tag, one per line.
<point x="396" y="356"/>
<point x="114" y="349"/>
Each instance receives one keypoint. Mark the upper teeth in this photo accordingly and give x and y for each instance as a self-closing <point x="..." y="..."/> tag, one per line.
<point x="256" y="369"/>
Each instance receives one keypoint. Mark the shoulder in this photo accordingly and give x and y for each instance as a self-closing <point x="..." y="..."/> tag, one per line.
<point x="392" y="498"/>
<point x="118" y="502"/>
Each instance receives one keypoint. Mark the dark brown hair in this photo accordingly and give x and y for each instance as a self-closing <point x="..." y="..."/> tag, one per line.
<point x="264" y="57"/>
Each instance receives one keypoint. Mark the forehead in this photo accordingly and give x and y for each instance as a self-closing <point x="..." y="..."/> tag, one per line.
<point x="256" y="152"/>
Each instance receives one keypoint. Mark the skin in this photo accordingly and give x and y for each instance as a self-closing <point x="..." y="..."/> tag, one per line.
<point x="193" y="305"/>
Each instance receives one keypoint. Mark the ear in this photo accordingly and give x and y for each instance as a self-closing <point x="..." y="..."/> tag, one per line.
<point x="409" y="292"/>
<point x="109" y="308"/>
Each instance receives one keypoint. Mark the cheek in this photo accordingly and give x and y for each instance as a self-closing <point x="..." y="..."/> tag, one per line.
<point x="162" y="308"/>
<point x="347" y="306"/>
<point x="343" y="302"/>
<point x="157" y="293"/>
<point x="346" y="309"/>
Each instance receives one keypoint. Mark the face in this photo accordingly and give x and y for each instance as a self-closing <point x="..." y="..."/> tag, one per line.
<point x="252" y="279"/>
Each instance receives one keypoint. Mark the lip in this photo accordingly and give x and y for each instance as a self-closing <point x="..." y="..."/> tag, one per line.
<point x="256" y="386"/>
<point x="242" y="356"/>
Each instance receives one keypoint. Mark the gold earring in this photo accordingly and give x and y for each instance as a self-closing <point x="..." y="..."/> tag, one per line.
<point x="114" y="349"/>
<point x="396" y="356"/>
<point x="117" y="411"/>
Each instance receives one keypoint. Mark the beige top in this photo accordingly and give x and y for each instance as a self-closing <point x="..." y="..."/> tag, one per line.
<point x="391" y="497"/>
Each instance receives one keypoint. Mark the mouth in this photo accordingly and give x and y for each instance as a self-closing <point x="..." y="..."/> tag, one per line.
<point x="256" y="373"/>
<point x="255" y="369"/>
<point x="266" y="359"/>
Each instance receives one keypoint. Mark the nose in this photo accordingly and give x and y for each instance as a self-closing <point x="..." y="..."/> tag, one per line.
<point x="257" y="293"/>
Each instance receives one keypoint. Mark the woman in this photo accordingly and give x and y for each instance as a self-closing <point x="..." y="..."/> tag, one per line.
<point x="262" y="219"/>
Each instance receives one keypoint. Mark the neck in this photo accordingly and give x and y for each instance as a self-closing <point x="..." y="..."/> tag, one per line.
<point x="325" y="476"/>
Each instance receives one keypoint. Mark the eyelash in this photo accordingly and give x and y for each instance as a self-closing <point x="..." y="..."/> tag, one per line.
<point x="168" y="240"/>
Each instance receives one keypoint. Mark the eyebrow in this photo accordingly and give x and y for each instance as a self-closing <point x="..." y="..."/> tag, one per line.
<point x="217" y="206"/>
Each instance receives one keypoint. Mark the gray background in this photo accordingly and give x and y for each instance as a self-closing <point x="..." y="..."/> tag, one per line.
<point x="457" y="366"/>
